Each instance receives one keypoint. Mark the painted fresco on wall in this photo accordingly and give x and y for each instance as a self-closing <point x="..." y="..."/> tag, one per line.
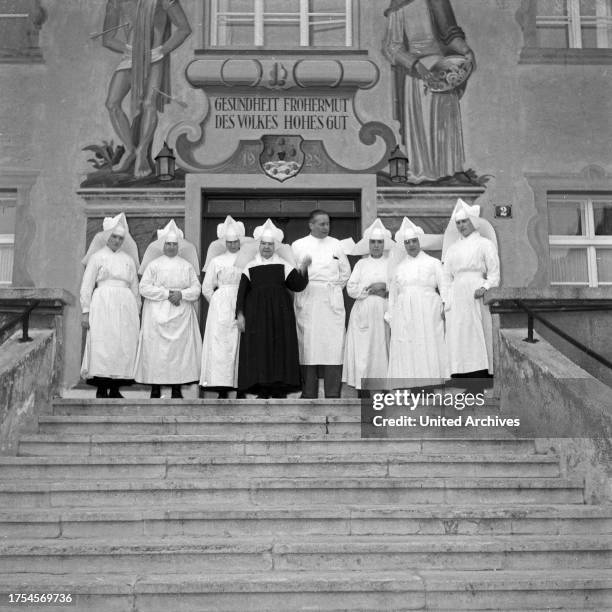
<point x="143" y="33"/>
<point x="252" y="97"/>
<point x="431" y="63"/>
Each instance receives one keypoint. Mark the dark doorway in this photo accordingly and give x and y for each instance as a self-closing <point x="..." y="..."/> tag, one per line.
<point x="288" y="211"/>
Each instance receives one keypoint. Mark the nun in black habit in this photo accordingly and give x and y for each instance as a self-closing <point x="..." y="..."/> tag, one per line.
<point x="269" y="360"/>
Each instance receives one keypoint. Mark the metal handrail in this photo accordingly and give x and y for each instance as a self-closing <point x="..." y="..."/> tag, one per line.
<point x="24" y="318"/>
<point x="531" y="315"/>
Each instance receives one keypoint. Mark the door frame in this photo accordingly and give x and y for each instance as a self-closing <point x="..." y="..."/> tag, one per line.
<point x="196" y="186"/>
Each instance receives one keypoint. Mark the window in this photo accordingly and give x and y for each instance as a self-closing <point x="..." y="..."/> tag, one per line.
<point x="8" y="203"/>
<point x="566" y="31"/>
<point x="574" y="24"/>
<point x="580" y="239"/>
<point x="281" y="24"/>
<point x="20" y="22"/>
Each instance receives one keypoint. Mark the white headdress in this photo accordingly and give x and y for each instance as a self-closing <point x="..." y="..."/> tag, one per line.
<point x="267" y="232"/>
<point x="376" y="231"/>
<point x="229" y="230"/>
<point x="113" y="225"/>
<point x="408" y="231"/>
<point x="461" y="211"/>
<point x="170" y="233"/>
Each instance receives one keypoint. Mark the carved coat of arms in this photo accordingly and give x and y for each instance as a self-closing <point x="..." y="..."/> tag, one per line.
<point x="282" y="156"/>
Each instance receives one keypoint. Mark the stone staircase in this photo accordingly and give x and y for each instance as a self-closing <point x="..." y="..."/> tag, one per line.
<point x="151" y="506"/>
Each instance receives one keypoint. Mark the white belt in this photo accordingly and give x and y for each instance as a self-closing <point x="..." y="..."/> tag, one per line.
<point x="112" y="283"/>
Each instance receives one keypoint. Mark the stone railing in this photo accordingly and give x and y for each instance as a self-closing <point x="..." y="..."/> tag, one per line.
<point x="556" y="379"/>
<point x="30" y="370"/>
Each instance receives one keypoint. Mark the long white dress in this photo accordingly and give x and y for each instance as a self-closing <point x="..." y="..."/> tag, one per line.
<point x="418" y="349"/>
<point x="109" y="293"/>
<point x="366" y="353"/>
<point x="319" y="309"/>
<point x="221" y="335"/>
<point x="170" y="345"/>
<point x="470" y="263"/>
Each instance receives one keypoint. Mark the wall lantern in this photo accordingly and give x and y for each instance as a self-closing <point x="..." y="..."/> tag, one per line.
<point x="164" y="164"/>
<point x="398" y="166"/>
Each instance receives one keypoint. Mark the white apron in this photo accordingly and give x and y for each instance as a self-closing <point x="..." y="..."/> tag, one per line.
<point x="221" y="336"/>
<point x="418" y="349"/>
<point x="469" y="264"/>
<point x="366" y="354"/>
<point x="319" y="309"/>
<point x="169" y="350"/>
<point x="112" y="338"/>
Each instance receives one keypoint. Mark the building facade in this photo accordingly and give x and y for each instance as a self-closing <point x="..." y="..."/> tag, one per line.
<point x="274" y="107"/>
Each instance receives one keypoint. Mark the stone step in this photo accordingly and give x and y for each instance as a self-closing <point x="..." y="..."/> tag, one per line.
<point x="197" y="521"/>
<point x="290" y="492"/>
<point x="343" y="407"/>
<point x="315" y="553"/>
<point x="117" y="444"/>
<point x="440" y="590"/>
<point x="202" y="425"/>
<point x="246" y="466"/>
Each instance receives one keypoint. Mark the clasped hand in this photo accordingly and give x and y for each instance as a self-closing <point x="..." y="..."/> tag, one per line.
<point x="379" y="289"/>
<point x="175" y="297"/>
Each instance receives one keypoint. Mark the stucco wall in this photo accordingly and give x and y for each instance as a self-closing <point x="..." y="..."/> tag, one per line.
<point x="560" y="404"/>
<point x="516" y="119"/>
<point x="26" y="377"/>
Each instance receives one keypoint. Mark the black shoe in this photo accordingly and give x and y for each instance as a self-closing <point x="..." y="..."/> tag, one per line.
<point x="176" y="392"/>
<point x="155" y="391"/>
<point x="114" y="393"/>
<point x="222" y="395"/>
<point x="102" y="392"/>
<point x="240" y="395"/>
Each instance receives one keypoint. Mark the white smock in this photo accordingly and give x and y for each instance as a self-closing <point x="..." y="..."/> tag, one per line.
<point x="418" y="349"/>
<point x="109" y="293"/>
<point x="366" y="354"/>
<point x="470" y="263"/>
<point x="319" y="309"/>
<point x="221" y="335"/>
<point x="169" y="350"/>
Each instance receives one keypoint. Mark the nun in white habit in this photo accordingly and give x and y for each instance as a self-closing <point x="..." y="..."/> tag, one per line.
<point x="471" y="266"/>
<point x="366" y="350"/>
<point x="170" y="345"/>
<point x="219" y="370"/>
<point x="416" y="296"/>
<point x="110" y="304"/>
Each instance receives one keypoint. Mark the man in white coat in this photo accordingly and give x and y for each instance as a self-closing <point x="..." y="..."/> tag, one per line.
<point x="471" y="266"/>
<point x="319" y="309"/>
<point x="169" y="348"/>
<point x="110" y="303"/>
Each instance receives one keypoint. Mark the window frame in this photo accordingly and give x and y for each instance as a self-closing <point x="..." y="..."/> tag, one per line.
<point x="574" y="53"/>
<point x="588" y="241"/>
<point x="29" y="51"/>
<point x="303" y="17"/>
<point x="8" y="239"/>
